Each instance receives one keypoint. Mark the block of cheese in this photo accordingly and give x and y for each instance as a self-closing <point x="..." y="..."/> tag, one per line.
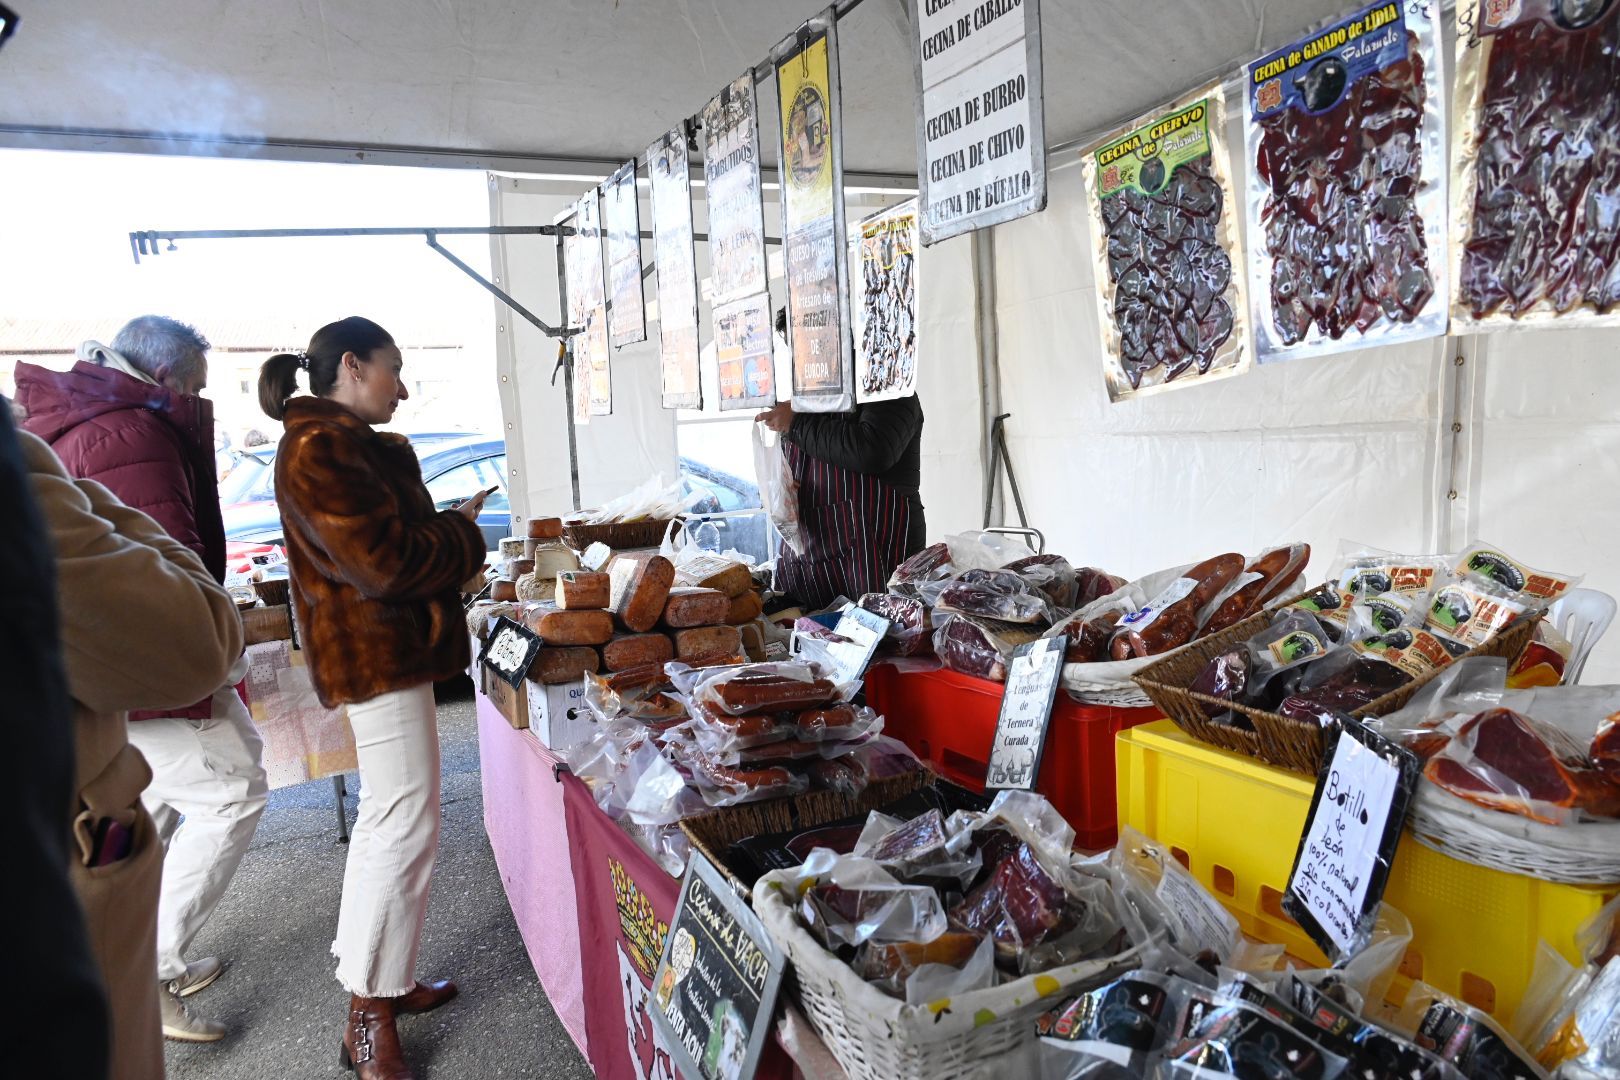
<point x="545" y="528"/>
<point x="745" y="608"/>
<point x="552" y="559"/>
<point x="555" y="666"/>
<point x="695" y="607"/>
<point x="512" y="547"/>
<point x="529" y="546"/>
<point x="634" y="650"/>
<point x="707" y="643"/>
<point x="596" y="557"/>
<point x="641" y="585"/>
<point x="558" y="627"/>
<point x="531" y="588"/>
<point x="753" y="641"/>
<point x="581" y="590"/>
<point x="714" y="572"/>
<point x="504" y="590"/>
<point x="516" y="568"/>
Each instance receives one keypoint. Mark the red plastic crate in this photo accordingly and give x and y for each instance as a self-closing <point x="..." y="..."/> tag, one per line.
<point x="949" y="719"/>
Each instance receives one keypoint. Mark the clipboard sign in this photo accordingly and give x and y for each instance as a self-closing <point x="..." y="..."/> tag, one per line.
<point x="510" y="651"/>
<point x="1358" y="810"/>
<point x="715" y="989"/>
<point x="1026" y="710"/>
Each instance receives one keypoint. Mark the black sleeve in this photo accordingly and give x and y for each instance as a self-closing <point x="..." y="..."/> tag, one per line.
<point x="869" y="440"/>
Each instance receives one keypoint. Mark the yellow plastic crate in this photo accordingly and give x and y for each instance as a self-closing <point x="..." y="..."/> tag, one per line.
<point x="1235" y="823"/>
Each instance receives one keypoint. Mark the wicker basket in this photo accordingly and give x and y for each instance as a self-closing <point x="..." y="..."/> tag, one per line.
<point x="273" y="591"/>
<point x="986" y="1033"/>
<point x="1280" y="740"/>
<point x="713" y="833"/>
<point x="1581" y="853"/>
<point x="618" y="535"/>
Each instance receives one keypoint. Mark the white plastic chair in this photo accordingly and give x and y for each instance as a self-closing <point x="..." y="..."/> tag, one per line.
<point x="1582" y="616"/>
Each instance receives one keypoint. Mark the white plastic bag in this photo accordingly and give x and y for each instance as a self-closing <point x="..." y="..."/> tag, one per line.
<point x="778" y="491"/>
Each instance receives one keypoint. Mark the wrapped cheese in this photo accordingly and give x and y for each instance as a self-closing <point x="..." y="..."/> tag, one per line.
<point x="714" y="572"/>
<point x="641" y="585"/>
<point x="695" y="607"/>
<point x="556" y="666"/>
<point x="635" y="650"/>
<point x="580" y="590"/>
<point x="706" y="643"/>
<point x="558" y="627"/>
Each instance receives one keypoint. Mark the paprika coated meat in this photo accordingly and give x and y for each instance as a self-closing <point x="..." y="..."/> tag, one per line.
<point x="1347" y="244"/>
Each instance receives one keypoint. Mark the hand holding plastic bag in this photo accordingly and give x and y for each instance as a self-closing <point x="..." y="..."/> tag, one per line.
<point x="778" y="490"/>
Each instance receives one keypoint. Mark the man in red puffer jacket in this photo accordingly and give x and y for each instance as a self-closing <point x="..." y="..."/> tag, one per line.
<point x="129" y="417"/>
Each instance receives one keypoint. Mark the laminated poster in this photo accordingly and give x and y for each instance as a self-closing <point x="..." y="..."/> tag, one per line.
<point x="587" y="310"/>
<point x="668" y="173"/>
<point x="813" y="221"/>
<point x="886" y="247"/>
<point x="736" y="212"/>
<point x="621" y="221"/>
<point x="744" y="361"/>
<point x="1345" y="134"/>
<point x="981" y="147"/>
<point x="1535" y="164"/>
<point x="1165" y="252"/>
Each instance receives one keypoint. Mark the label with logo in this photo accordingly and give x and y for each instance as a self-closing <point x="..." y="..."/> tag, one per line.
<point x="1315" y="74"/>
<point x="1146" y="158"/>
<point x="1418" y="653"/>
<point x="1297" y="646"/>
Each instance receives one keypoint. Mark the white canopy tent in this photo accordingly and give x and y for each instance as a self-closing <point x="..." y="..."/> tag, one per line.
<point x="1513" y="438"/>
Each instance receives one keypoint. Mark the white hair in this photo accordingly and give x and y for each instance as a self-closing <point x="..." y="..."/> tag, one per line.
<point x="159" y="345"/>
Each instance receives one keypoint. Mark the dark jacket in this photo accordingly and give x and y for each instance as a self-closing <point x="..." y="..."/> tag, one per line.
<point x="376" y="570"/>
<point x="149" y="446"/>
<point x="881" y="439"/>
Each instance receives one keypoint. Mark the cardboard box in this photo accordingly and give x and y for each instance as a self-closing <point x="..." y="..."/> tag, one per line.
<point x="513" y="704"/>
<point x="558" y="715"/>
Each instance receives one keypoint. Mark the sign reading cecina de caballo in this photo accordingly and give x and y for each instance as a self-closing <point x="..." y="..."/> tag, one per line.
<point x="981" y="155"/>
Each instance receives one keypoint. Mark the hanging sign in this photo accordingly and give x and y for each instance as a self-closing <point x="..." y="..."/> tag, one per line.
<point x="587" y="310"/>
<point x="1357" y="812"/>
<point x="981" y="154"/>
<point x="621" y="221"/>
<point x="886" y="314"/>
<point x="1026" y="710"/>
<point x="510" y="651"/>
<point x="862" y="632"/>
<point x="736" y="212"/>
<point x="669" y="176"/>
<point x="813" y="220"/>
<point x="715" y="989"/>
<point x="743" y="356"/>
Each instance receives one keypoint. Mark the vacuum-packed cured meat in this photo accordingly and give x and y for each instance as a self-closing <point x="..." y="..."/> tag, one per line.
<point x="992" y="594"/>
<point x="1538" y="159"/>
<point x="980" y="647"/>
<point x="929" y="564"/>
<point x="1018" y="905"/>
<point x="1606" y="748"/>
<point x="1171" y="619"/>
<point x="1226" y="677"/>
<point x="1347" y="185"/>
<point x="1505" y="761"/>
<point x="1171" y="305"/>
<point x="1272" y="572"/>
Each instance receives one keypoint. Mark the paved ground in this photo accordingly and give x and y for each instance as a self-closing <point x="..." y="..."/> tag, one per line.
<point x="276" y="924"/>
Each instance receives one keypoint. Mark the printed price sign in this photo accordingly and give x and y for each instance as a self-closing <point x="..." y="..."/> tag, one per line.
<point x="1357" y="812"/>
<point x="715" y="989"/>
<point x="863" y="633"/>
<point x="1026" y="709"/>
<point x="510" y="651"/>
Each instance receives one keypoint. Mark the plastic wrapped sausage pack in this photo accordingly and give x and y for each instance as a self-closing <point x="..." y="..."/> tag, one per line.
<point x="1347" y="185"/>
<point x="1170" y="301"/>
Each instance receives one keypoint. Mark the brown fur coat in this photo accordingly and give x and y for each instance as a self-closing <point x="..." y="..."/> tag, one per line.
<point x="375" y="568"/>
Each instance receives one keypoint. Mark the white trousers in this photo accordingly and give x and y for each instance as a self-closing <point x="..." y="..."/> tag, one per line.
<point x="395" y="839"/>
<point x="207" y="792"/>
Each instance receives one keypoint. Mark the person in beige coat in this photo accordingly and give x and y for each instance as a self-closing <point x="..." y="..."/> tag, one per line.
<point x="143" y="625"/>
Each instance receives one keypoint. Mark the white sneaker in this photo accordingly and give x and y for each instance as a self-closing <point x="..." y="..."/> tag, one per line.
<point x="199" y="975"/>
<point x="180" y="1023"/>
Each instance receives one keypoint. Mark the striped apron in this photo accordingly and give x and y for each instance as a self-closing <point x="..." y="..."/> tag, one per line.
<point x="854" y="528"/>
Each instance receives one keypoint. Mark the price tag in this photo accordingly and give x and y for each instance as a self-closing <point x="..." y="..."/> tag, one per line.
<point x="510" y="651"/>
<point x="1026" y="710"/>
<point x="1357" y="812"/>
<point x="863" y="633"/>
<point x="714" y="992"/>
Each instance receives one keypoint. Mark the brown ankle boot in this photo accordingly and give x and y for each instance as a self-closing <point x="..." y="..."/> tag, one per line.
<point x="425" y="996"/>
<point x="370" y="1042"/>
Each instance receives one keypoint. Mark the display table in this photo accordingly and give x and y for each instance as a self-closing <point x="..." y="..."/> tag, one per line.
<point x="592" y="906"/>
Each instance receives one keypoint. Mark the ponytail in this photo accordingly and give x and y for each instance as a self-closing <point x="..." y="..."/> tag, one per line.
<point x="278" y="381"/>
<point x="278" y="378"/>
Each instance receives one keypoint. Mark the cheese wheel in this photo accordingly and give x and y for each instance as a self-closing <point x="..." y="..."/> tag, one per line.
<point x="516" y="568"/>
<point x="636" y="650"/>
<point x="553" y="559"/>
<point x="596" y="557"/>
<point x="545" y="528"/>
<point x="745" y="609"/>
<point x="580" y="590"/>
<point x="714" y="572"/>
<point x="555" y="666"/>
<point x="531" y="588"/>
<point x="485" y="612"/>
<point x="707" y="643"/>
<point x="512" y="547"/>
<point x="558" y="627"/>
<point x="641" y="585"/>
<point x="530" y="545"/>
<point x="695" y="607"/>
<point x="503" y="591"/>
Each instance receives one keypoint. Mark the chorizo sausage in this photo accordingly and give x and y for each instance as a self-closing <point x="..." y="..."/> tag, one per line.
<point x="746" y="694"/>
<point x="1276" y="568"/>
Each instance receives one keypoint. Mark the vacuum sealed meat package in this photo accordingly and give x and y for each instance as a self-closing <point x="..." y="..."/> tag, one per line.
<point x="1505" y="761"/>
<point x="980" y="647"/>
<point x="1164" y="247"/>
<point x="1347" y="185"/>
<point x="1536" y="164"/>
<point x="1118" y="1022"/>
<point x="1465" y="1037"/>
<point x="993" y="594"/>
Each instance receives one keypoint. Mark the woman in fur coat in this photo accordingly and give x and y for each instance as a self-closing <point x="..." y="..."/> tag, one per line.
<point x="375" y="576"/>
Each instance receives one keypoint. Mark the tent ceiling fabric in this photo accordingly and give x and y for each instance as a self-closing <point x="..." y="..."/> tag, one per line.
<point x="593" y="79"/>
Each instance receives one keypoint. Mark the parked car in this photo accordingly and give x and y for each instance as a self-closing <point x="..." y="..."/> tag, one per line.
<point x="722" y="493"/>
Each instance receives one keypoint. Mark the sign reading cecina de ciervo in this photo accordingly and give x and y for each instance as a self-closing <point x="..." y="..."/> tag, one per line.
<point x="981" y="154"/>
